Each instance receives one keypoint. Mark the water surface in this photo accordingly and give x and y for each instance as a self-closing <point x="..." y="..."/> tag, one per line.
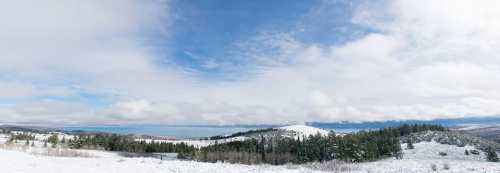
<point x="162" y="130"/>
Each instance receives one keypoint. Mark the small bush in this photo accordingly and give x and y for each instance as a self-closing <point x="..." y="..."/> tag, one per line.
<point x="434" y="167"/>
<point x="491" y="154"/>
<point x="475" y="152"/>
<point x="410" y="145"/>
<point x="443" y="154"/>
<point x="446" y="166"/>
<point x="333" y="166"/>
<point x="57" y="152"/>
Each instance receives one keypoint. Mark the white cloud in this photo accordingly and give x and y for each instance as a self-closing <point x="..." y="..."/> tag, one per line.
<point x="429" y="59"/>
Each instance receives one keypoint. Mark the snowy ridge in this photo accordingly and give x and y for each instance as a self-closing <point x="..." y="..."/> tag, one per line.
<point x="303" y="130"/>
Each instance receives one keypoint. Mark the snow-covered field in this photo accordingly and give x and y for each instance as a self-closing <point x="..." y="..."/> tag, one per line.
<point x="19" y="162"/>
<point x="425" y="154"/>
<point x="417" y="160"/>
<point x="424" y="166"/>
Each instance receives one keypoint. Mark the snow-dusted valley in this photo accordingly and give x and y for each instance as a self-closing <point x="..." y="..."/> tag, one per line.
<point x="425" y="157"/>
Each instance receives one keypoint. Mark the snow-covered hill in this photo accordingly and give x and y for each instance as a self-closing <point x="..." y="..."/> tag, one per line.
<point x="451" y="138"/>
<point x="491" y="131"/>
<point x="430" y="150"/>
<point x="303" y="130"/>
<point x="426" y="155"/>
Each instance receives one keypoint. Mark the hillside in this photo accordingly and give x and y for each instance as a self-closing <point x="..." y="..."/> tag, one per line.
<point x="491" y="132"/>
<point x="452" y="138"/>
<point x="303" y="130"/>
<point x="426" y="155"/>
<point x="430" y="150"/>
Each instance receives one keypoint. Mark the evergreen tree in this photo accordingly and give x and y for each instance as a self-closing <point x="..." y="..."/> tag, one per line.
<point x="410" y="144"/>
<point x="53" y="140"/>
<point x="491" y="154"/>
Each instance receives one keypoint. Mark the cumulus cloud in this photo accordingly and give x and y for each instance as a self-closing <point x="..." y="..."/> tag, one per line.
<point x="422" y="60"/>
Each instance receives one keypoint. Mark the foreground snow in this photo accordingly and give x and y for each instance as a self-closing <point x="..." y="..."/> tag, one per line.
<point x="19" y="162"/>
<point x="424" y="166"/>
<point x="24" y="159"/>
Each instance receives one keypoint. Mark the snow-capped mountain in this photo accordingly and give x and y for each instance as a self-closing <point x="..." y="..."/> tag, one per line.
<point x="303" y="130"/>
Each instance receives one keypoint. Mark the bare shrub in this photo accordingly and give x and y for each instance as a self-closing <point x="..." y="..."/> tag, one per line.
<point x="443" y="154"/>
<point x="333" y="166"/>
<point x="63" y="152"/>
<point x="433" y="167"/>
<point x="446" y="166"/>
<point x="291" y="166"/>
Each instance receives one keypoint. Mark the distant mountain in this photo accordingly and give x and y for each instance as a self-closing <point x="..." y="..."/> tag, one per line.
<point x="491" y="132"/>
<point x="382" y="124"/>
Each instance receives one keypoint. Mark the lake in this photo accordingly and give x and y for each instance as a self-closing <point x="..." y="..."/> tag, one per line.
<point x="178" y="131"/>
<point x="162" y="130"/>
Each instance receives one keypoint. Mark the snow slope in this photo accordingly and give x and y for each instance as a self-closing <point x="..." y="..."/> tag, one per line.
<point x="425" y="154"/>
<point x="430" y="150"/>
<point x="424" y="166"/>
<point x="303" y="130"/>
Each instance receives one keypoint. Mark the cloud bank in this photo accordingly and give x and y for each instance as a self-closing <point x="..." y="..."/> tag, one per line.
<point x="421" y="60"/>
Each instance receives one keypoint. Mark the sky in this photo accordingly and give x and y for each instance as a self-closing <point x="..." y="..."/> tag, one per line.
<point x="247" y="62"/>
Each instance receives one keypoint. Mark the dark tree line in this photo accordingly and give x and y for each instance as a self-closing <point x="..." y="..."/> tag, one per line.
<point x="250" y="132"/>
<point x="357" y="147"/>
<point x="362" y="146"/>
<point x="407" y="129"/>
<point x="21" y="137"/>
<point x="114" y="142"/>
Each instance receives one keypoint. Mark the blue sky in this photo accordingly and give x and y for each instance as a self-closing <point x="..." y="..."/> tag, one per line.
<point x="210" y="30"/>
<point x="245" y="62"/>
